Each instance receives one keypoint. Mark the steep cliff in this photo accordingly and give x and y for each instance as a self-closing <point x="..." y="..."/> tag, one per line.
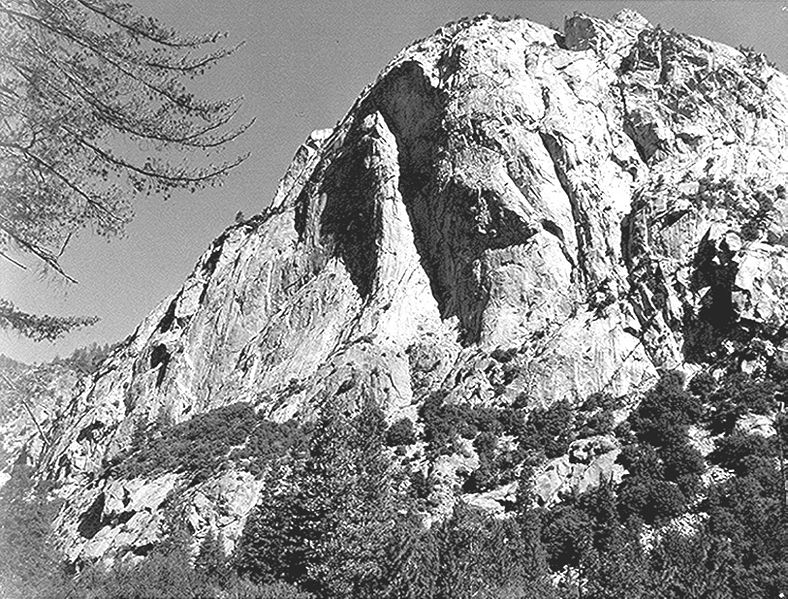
<point x="507" y="212"/>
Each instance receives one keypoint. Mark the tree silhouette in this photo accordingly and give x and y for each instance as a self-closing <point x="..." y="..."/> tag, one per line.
<point x="94" y="110"/>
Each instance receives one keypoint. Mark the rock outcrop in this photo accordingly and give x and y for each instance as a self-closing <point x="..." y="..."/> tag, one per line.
<point x="506" y="212"/>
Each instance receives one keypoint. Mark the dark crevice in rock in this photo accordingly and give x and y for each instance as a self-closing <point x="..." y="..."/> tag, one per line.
<point x="207" y="269"/>
<point x="122" y="518"/>
<point x="582" y="225"/>
<point x="626" y="239"/>
<point x="160" y="358"/>
<point x="412" y="109"/>
<point x="90" y="522"/>
<point x="630" y="132"/>
<point x="552" y="228"/>
<point x="627" y="126"/>
<point x="210" y="264"/>
<point x="87" y="432"/>
<point x="301" y="209"/>
<point x="169" y="317"/>
<point x="143" y="550"/>
<point x="213" y="258"/>
<point x="673" y="217"/>
<point x="322" y="234"/>
<point x="454" y="221"/>
<point x="631" y="331"/>
<point x="714" y="270"/>
<point x="506" y="228"/>
<point x="350" y="220"/>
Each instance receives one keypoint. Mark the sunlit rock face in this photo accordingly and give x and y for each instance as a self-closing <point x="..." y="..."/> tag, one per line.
<point x="506" y="211"/>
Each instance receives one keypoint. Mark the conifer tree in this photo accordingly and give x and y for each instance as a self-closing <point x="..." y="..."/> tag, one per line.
<point x="30" y="563"/>
<point x="95" y="110"/>
<point x="211" y="561"/>
<point x="411" y="561"/>
<point x="349" y="471"/>
<point x="529" y="519"/>
<point x="696" y="565"/>
<point x="613" y="565"/>
<point x="271" y="547"/>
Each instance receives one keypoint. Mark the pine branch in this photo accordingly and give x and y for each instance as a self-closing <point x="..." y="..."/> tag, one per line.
<point x="40" y="328"/>
<point x="42" y="254"/>
<point x="138" y="31"/>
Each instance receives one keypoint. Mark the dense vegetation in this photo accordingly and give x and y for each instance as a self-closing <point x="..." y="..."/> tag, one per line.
<point x="343" y="514"/>
<point x="203" y="445"/>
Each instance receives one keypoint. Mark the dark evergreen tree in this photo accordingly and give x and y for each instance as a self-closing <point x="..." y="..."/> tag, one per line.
<point x="329" y="524"/>
<point x="211" y="562"/>
<point x="401" y="432"/>
<point x="614" y="564"/>
<point x="529" y="518"/>
<point x="693" y="566"/>
<point x="30" y="565"/>
<point x="271" y="546"/>
<point x="455" y="541"/>
<point x="411" y="561"/>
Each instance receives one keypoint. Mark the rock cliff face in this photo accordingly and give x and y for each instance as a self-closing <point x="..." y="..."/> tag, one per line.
<point x="506" y="212"/>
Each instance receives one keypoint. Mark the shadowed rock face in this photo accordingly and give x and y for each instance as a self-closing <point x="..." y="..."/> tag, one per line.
<point x="603" y="202"/>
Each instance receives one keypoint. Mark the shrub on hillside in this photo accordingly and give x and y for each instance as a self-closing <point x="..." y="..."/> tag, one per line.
<point x="596" y="415"/>
<point x="207" y="442"/>
<point x="401" y="432"/>
<point x="566" y="535"/>
<point x="445" y="422"/>
<point x="167" y="574"/>
<point x="702" y="384"/>
<point x="738" y="394"/>
<point x="683" y="465"/>
<point x="197" y="446"/>
<point x="652" y="500"/>
<point x="741" y="452"/>
<point x="30" y="564"/>
<point x="268" y="441"/>
<point x="665" y="413"/>
<point x="549" y="429"/>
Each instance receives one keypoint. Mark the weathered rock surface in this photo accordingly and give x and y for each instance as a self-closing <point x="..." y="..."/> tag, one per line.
<point x="501" y="185"/>
<point x="589" y="463"/>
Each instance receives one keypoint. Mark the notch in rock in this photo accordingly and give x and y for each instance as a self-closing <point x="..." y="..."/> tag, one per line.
<point x="160" y="358"/>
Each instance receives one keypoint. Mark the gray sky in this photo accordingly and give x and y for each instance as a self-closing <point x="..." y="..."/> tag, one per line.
<point x="303" y="64"/>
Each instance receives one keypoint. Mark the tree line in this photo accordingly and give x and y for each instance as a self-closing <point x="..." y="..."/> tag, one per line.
<point x="341" y="516"/>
